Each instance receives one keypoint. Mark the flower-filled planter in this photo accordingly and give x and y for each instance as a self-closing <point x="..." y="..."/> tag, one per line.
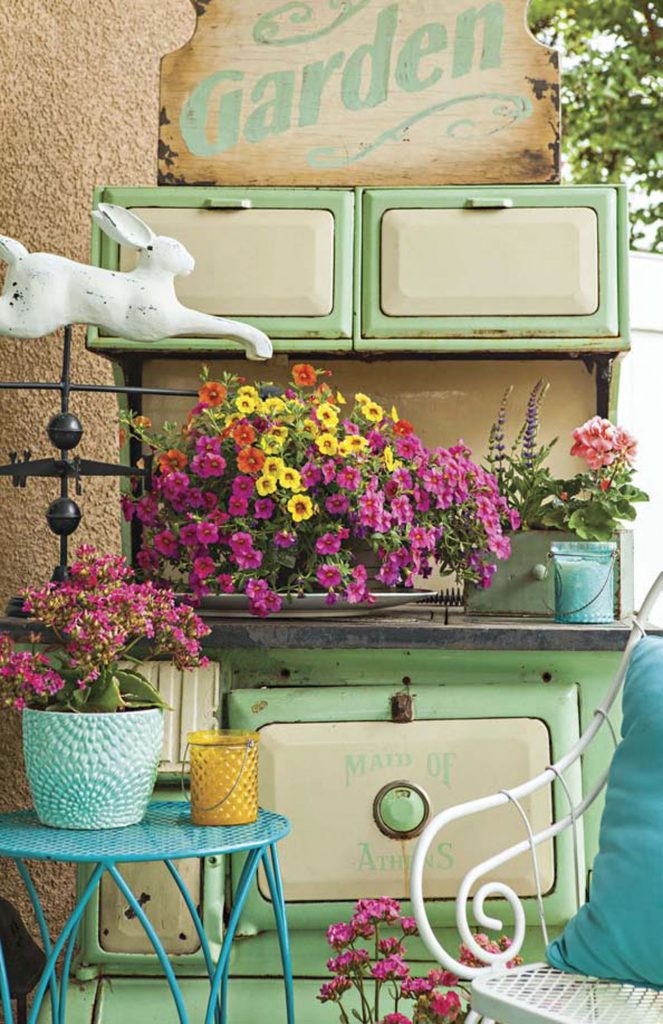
<point x="590" y="507"/>
<point x="93" y="770"/>
<point x="273" y="493"/>
<point x="92" y="723"/>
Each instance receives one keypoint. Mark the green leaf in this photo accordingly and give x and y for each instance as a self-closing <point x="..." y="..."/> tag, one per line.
<point x="593" y="522"/>
<point x="104" y="695"/>
<point x="137" y="691"/>
<point x="554" y="518"/>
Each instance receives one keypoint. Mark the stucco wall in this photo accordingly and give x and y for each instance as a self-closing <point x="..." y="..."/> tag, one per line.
<point x="78" y="107"/>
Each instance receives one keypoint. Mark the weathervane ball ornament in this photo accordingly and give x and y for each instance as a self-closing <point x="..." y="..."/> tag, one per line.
<point x="44" y="292"/>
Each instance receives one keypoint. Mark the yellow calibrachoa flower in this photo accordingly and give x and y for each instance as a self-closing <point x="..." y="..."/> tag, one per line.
<point x="362" y="399"/>
<point x="290" y="479"/>
<point x="394" y="414"/>
<point x="311" y="428"/>
<point x="246" y="404"/>
<point x="327" y="416"/>
<point x="389" y="458"/>
<point x="234" y="417"/>
<point x="248" y="389"/>
<point x="340" y="399"/>
<point x="272" y="406"/>
<point x="273" y="441"/>
<point x="300" y="507"/>
<point x="353" y="444"/>
<point x="273" y="466"/>
<point x="327" y="444"/>
<point x="266" y="484"/>
<point x="279" y="434"/>
<point x="373" y="412"/>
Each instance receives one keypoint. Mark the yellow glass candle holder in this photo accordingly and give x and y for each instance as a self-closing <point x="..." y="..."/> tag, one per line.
<point x="224" y="776"/>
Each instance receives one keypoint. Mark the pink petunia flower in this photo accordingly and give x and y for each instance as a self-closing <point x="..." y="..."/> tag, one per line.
<point x="166" y="544"/>
<point x="328" y="575"/>
<point x="328" y="544"/>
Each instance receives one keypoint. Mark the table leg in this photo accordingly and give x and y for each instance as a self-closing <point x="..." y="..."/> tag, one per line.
<point x="154" y="939"/>
<point x="70" y="928"/>
<point x="64" y="984"/>
<point x="197" y="923"/>
<point x="43" y="930"/>
<point x="4" y="990"/>
<point x="273" y="872"/>
<point x="221" y="972"/>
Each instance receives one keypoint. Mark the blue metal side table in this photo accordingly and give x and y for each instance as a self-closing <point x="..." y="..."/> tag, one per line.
<point x="166" y="834"/>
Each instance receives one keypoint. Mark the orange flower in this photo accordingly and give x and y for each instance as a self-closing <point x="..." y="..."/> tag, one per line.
<point x="143" y="421"/>
<point x="172" y="461"/>
<point x="403" y="428"/>
<point x="213" y="393"/>
<point x="244" y="434"/>
<point x="250" y="460"/>
<point x="304" y="375"/>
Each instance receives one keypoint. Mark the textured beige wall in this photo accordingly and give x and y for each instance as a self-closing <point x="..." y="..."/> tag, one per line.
<point x="78" y="107"/>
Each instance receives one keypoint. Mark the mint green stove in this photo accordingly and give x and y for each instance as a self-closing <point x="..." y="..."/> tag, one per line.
<point x="366" y="726"/>
<point x="369" y="725"/>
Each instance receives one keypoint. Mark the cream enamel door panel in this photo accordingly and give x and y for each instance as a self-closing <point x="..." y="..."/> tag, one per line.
<point x="489" y="263"/>
<point x="528" y="269"/>
<point x="255" y="262"/>
<point x="279" y="258"/>
<point x="151" y="883"/>
<point x="325" y="776"/>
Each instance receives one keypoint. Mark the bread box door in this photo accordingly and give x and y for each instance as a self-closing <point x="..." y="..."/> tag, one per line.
<point x="277" y="258"/>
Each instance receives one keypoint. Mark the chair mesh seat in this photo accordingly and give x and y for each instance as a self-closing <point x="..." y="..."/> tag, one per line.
<point x="537" y="993"/>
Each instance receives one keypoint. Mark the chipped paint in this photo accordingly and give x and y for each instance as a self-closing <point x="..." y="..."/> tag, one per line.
<point x="142" y="901"/>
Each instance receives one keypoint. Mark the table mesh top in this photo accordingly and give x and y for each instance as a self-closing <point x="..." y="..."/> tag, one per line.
<point x="165" y="832"/>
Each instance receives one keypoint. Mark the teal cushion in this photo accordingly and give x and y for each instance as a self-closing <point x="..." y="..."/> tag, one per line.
<point x="618" y="934"/>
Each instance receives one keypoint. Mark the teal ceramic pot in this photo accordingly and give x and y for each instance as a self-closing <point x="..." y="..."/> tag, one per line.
<point x="584" y="581"/>
<point x="92" y="771"/>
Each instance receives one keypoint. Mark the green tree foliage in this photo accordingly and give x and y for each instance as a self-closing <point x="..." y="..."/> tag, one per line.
<point x="612" y="98"/>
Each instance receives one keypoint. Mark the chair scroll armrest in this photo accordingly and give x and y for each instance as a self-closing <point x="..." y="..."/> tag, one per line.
<point x="492" y="961"/>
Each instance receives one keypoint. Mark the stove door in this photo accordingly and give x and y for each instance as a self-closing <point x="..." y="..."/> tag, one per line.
<point x="358" y="786"/>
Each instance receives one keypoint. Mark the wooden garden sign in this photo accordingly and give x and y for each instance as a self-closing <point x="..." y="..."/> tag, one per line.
<point x="359" y="92"/>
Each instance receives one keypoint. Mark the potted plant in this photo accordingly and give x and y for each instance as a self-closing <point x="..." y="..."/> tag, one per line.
<point x="272" y="494"/>
<point x="372" y="981"/>
<point x="590" y="507"/>
<point x="92" y="722"/>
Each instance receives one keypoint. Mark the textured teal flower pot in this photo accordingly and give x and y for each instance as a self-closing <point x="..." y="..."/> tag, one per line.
<point x="92" y="771"/>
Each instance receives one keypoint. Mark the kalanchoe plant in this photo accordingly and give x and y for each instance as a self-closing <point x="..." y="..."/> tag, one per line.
<point x="98" y="615"/>
<point x="372" y="981"/>
<point x="520" y="470"/>
<point x="593" y="504"/>
<point x="268" y="494"/>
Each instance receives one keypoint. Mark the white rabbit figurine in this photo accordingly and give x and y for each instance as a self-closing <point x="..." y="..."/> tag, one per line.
<point x="44" y="292"/>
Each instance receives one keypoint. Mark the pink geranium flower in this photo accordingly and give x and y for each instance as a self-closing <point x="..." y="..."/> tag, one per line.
<point x="600" y="443"/>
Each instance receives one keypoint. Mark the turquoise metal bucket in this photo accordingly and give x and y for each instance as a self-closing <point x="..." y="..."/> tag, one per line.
<point x="92" y="771"/>
<point x="584" y="574"/>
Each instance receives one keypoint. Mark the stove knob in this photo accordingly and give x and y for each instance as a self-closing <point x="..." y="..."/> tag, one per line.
<point x="401" y="809"/>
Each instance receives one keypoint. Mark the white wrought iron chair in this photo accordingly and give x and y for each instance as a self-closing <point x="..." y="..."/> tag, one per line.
<point x="535" y="993"/>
